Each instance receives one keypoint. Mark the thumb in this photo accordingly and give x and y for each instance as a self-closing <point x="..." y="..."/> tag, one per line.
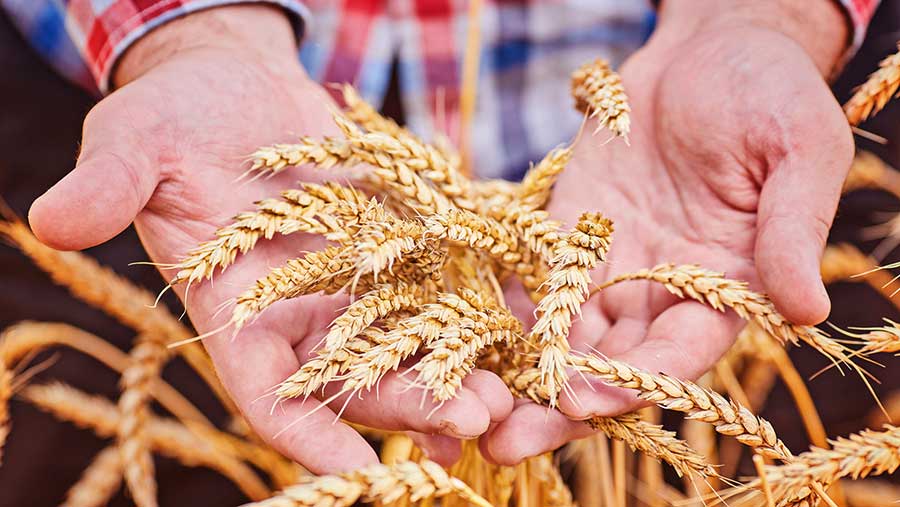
<point x="797" y="205"/>
<point x="110" y="185"/>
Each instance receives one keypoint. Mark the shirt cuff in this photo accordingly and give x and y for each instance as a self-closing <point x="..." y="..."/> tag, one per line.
<point x="123" y="22"/>
<point x="859" y="14"/>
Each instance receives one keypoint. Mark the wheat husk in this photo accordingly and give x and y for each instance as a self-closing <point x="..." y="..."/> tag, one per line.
<point x="871" y="96"/>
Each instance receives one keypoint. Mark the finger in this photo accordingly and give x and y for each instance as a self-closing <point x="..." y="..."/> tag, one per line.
<point x="249" y="367"/>
<point x="684" y="341"/>
<point x="438" y="448"/>
<point x="394" y="405"/>
<point x="797" y="205"/>
<point x="111" y="183"/>
<point x="529" y="431"/>
<point x="492" y="391"/>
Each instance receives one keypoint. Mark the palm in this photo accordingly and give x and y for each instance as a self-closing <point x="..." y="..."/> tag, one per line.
<point x="199" y="143"/>
<point x="713" y="128"/>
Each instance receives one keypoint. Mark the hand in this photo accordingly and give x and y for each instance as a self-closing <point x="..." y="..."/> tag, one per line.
<point x="165" y="150"/>
<point x="736" y="160"/>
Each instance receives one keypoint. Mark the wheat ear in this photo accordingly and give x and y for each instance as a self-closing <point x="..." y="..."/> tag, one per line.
<point x="713" y="289"/>
<point x="885" y="339"/>
<point x="648" y="438"/>
<point x="534" y="191"/>
<point x="444" y="175"/>
<point x="598" y="91"/>
<point x="164" y="435"/>
<point x="860" y="455"/>
<point x="99" y="481"/>
<point x="376" y="304"/>
<point x="131" y="305"/>
<point x="376" y="483"/>
<point x="453" y="355"/>
<point x="324" y="154"/>
<point x="328" y="269"/>
<point x="728" y="417"/>
<point x="147" y="359"/>
<point x="872" y="95"/>
<point x="318" y="209"/>
<point x="568" y="287"/>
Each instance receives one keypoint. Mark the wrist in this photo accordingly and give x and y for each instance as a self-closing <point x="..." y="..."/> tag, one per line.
<point x="820" y="27"/>
<point x="263" y="32"/>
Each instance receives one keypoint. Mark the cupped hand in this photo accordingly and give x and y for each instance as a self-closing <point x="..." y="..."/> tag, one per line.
<point x="165" y="151"/>
<point x="736" y="159"/>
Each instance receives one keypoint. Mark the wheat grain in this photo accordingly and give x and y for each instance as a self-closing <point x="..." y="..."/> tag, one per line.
<point x="99" y="481"/>
<point x="728" y="417"/>
<point x="383" y="483"/>
<point x="164" y="436"/>
<point x="147" y="358"/>
<point x="885" y="339"/>
<point x="568" y="286"/>
<point x="317" y="372"/>
<point x="598" y="91"/>
<point x="872" y="95"/>
<point x="713" y="289"/>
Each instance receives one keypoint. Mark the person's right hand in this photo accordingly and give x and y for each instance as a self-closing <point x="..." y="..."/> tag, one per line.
<point x="197" y="96"/>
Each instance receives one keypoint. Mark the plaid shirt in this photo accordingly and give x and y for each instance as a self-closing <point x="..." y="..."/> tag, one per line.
<point x="528" y="49"/>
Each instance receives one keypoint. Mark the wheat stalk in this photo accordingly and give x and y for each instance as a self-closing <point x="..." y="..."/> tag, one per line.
<point x="163" y="435"/>
<point x="872" y="95"/>
<point x="728" y="417"/>
<point x="718" y="292"/>
<point x="416" y="481"/>
<point x="102" y="288"/>
<point x="598" y="91"/>
<point x="568" y="287"/>
<point x="147" y="358"/>
<point x="99" y="481"/>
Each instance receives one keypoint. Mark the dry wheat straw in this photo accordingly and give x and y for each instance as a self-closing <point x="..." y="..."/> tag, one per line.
<point x="728" y="417"/>
<point x="164" y="435"/>
<point x="147" y="358"/>
<point x="713" y="289"/>
<point x="568" y="285"/>
<point x="598" y="91"/>
<point x="872" y="95"/>
<point x="99" y="481"/>
<point x="102" y="288"/>
<point x="416" y="481"/>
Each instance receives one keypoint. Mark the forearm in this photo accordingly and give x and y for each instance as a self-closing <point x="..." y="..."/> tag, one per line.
<point x="263" y="31"/>
<point x="819" y="26"/>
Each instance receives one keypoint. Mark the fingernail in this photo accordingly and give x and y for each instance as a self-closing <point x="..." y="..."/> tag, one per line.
<point x="450" y="429"/>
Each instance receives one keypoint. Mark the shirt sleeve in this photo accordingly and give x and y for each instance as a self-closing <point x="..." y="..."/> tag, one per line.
<point x="860" y="14"/>
<point x="83" y="39"/>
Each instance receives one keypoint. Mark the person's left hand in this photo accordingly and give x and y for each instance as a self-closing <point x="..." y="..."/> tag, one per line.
<point x="736" y="160"/>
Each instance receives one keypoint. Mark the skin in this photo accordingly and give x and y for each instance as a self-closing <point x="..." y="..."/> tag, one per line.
<point x="736" y="159"/>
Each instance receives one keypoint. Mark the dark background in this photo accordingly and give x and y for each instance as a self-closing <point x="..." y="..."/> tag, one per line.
<point x="40" y="126"/>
